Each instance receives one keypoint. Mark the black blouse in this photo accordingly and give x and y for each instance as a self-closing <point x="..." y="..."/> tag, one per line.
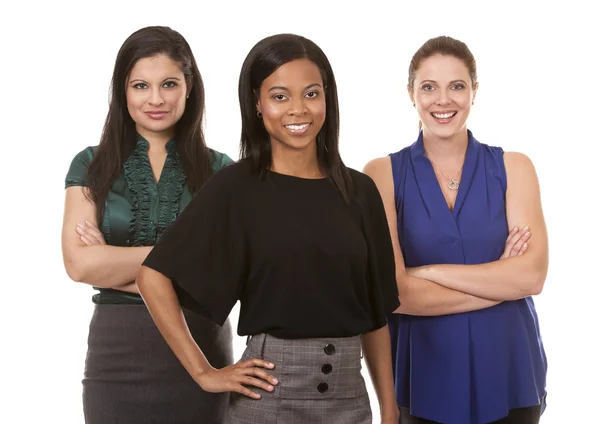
<point x="302" y="262"/>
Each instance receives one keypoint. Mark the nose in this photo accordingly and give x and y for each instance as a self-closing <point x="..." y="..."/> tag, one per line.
<point x="156" y="97"/>
<point x="297" y="107"/>
<point x="443" y="98"/>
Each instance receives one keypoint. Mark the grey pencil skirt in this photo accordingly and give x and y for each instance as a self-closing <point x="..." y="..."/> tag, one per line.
<point x="320" y="382"/>
<point x="132" y="376"/>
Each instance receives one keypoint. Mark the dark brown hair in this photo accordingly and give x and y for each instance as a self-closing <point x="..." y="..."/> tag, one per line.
<point x="264" y="58"/>
<point x="119" y="135"/>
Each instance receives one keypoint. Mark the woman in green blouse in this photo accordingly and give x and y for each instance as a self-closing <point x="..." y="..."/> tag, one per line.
<point x="121" y="195"/>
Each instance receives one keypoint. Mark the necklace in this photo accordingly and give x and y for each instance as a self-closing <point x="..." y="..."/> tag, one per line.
<point x="453" y="184"/>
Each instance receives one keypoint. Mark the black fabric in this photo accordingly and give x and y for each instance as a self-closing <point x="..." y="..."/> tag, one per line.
<point x="302" y="262"/>
<point x="529" y="415"/>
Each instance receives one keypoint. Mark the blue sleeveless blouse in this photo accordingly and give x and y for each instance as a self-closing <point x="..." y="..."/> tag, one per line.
<point x="470" y="367"/>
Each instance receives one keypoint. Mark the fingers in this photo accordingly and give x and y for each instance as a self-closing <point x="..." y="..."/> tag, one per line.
<point x="86" y="241"/>
<point x="255" y="362"/>
<point x="90" y="234"/>
<point x="254" y="375"/>
<point x="260" y="373"/>
<point x="255" y="382"/>
<point x="513" y="236"/>
<point x="94" y="231"/>
<point x="255" y="367"/>
<point x="517" y="249"/>
<point x="516" y="243"/>
<point x="247" y="392"/>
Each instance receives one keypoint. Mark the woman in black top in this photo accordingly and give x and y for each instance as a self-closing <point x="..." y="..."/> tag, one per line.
<point x="301" y="240"/>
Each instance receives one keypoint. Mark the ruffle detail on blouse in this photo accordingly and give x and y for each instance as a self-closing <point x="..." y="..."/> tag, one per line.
<point x="140" y="179"/>
<point x="170" y="188"/>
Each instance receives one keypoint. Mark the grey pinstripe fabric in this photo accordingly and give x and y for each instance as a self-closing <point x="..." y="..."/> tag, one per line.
<point x="297" y="399"/>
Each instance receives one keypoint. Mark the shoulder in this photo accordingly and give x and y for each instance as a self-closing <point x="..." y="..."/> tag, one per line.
<point x="378" y="166"/>
<point x="219" y="160"/>
<point x="519" y="167"/>
<point x="379" y="171"/>
<point x="86" y="155"/>
<point x="230" y="175"/>
<point x="364" y="184"/>
<point x="77" y="174"/>
<point x="517" y="159"/>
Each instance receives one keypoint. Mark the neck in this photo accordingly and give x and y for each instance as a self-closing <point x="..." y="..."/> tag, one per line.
<point x="301" y="163"/>
<point x="157" y="141"/>
<point x="445" y="150"/>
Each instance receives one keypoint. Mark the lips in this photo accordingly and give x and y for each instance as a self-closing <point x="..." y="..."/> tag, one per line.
<point x="299" y="128"/>
<point x="156" y="114"/>
<point x="443" y="115"/>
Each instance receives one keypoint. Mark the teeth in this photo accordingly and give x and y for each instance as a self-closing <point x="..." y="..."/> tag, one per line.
<point x="297" y="127"/>
<point x="444" y="115"/>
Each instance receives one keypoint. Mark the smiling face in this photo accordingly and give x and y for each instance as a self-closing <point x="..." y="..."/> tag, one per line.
<point x="156" y="94"/>
<point x="292" y="103"/>
<point x="443" y="93"/>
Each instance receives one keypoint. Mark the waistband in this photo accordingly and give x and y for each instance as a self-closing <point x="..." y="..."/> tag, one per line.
<point x="323" y="368"/>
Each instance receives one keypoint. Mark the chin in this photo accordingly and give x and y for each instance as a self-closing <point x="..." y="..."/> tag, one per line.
<point x="158" y="126"/>
<point x="444" y="131"/>
<point x="298" y="143"/>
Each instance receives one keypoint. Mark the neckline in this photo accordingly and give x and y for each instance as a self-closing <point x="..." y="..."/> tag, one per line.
<point x="294" y="177"/>
<point x="143" y="144"/>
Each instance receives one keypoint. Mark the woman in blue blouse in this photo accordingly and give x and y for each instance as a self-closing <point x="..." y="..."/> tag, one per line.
<point x="466" y="343"/>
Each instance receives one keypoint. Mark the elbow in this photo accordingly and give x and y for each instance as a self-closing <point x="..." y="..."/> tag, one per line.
<point x="538" y="285"/>
<point x="141" y="280"/>
<point x="409" y="304"/>
<point x="75" y="271"/>
<point x="538" y="278"/>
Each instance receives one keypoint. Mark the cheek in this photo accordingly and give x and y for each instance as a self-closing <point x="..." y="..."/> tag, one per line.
<point x="134" y="100"/>
<point x="321" y="111"/>
<point x="271" y="116"/>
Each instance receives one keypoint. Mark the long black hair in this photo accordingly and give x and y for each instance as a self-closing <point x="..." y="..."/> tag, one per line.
<point x="255" y="145"/>
<point x="119" y="135"/>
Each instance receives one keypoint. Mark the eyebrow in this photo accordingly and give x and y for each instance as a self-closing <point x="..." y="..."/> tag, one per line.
<point x="435" y="82"/>
<point x="279" y="87"/>
<point x="141" y="80"/>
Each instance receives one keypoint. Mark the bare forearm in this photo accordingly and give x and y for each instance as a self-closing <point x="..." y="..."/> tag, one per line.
<point x="129" y="288"/>
<point x="427" y="298"/>
<point x="163" y="305"/>
<point x="510" y="279"/>
<point x="378" y="356"/>
<point x="106" y="266"/>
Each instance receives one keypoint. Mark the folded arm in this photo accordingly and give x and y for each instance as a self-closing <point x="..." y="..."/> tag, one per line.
<point x="418" y="296"/>
<point x="518" y="276"/>
<point x="99" y="265"/>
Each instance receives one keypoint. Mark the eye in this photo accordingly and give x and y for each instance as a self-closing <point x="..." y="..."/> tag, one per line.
<point x="140" y="86"/>
<point x="427" y="87"/>
<point x="280" y="97"/>
<point x="312" y="94"/>
<point x="458" y="86"/>
<point x="170" y="84"/>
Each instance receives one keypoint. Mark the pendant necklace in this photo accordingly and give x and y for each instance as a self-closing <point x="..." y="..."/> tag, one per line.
<point x="453" y="183"/>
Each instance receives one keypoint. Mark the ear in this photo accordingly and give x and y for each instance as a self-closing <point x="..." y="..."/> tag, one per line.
<point x="258" y="106"/>
<point x="188" y="88"/>
<point x="474" y="92"/>
<point x="410" y="94"/>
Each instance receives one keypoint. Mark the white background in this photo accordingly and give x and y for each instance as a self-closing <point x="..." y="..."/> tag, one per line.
<point x="539" y="94"/>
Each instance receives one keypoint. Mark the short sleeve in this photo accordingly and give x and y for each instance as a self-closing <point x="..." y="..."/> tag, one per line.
<point x="78" y="171"/>
<point x="383" y="288"/>
<point x="219" y="160"/>
<point x="203" y="253"/>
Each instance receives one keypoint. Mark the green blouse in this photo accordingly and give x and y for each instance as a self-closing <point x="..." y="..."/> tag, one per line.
<point x="137" y="209"/>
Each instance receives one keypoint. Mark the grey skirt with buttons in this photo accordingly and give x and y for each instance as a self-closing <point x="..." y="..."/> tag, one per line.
<point x="320" y="381"/>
